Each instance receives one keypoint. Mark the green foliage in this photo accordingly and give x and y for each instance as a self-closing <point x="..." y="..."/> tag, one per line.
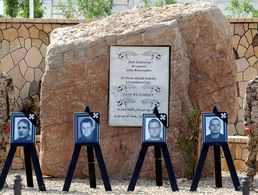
<point x="240" y="8"/>
<point x="25" y="10"/>
<point x="95" y="8"/>
<point x="11" y="8"/>
<point x="67" y="9"/>
<point x="158" y="3"/>
<point x="90" y="9"/>
<point x="146" y="3"/>
<point x="14" y="8"/>
<point x="255" y="14"/>
<point x="187" y="144"/>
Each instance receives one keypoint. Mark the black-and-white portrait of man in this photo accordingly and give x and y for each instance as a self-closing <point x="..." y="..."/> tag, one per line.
<point x="153" y="129"/>
<point x="214" y="128"/>
<point x="86" y="129"/>
<point x="22" y="129"/>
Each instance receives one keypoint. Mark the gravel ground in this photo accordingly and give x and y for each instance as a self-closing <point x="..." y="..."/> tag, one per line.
<point x="81" y="186"/>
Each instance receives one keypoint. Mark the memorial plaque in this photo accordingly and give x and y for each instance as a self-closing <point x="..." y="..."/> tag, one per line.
<point x="139" y="81"/>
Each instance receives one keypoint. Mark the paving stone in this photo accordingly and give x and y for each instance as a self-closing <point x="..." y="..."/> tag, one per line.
<point x="47" y="28"/>
<point x="10" y="34"/>
<point x="5" y="48"/>
<point x="239" y="29"/>
<point x="16" y="25"/>
<point x="38" y="74"/>
<point x="244" y="42"/>
<point x="22" y="42"/>
<point x="18" y="55"/>
<point x="36" y="43"/>
<point x="15" y="44"/>
<point x="249" y="37"/>
<point x="250" y="52"/>
<point x="256" y="51"/>
<point x="242" y="64"/>
<point x="27" y="44"/>
<point x="43" y="36"/>
<point x="23" y="67"/>
<point x="241" y="51"/>
<point x="39" y="26"/>
<point x="34" y="32"/>
<point x="249" y="73"/>
<point x="252" y="60"/>
<point x="29" y="75"/>
<point x="23" y="32"/>
<point x="18" y="79"/>
<point x="43" y="50"/>
<point x="6" y="63"/>
<point x="235" y="40"/>
<point x="33" y="57"/>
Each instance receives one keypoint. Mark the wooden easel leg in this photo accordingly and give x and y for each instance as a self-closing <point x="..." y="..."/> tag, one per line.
<point x="231" y="167"/>
<point x="169" y="166"/>
<point x="7" y="165"/>
<point x="71" y="169"/>
<point x="137" y="168"/>
<point x="28" y="166"/>
<point x="158" y="167"/>
<point x="199" y="168"/>
<point x="37" y="168"/>
<point x="91" y="166"/>
<point x="102" y="168"/>
<point x="217" y="163"/>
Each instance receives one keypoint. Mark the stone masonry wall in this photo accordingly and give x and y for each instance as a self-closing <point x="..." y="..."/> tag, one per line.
<point x="245" y="45"/>
<point x="23" y="44"/>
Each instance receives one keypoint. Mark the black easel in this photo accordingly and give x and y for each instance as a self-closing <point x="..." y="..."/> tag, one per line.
<point x="91" y="167"/>
<point x="158" y="147"/>
<point x="217" y="163"/>
<point x="142" y="154"/>
<point x="29" y="154"/>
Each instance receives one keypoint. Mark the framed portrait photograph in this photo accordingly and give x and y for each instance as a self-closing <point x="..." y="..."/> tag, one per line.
<point x="22" y="129"/>
<point x="152" y="129"/>
<point x="86" y="130"/>
<point x="214" y="129"/>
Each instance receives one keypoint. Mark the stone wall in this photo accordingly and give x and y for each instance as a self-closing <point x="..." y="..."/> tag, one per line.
<point x="238" y="149"/>
<point x="245" y="45"/>
<point x="23" y="45"/>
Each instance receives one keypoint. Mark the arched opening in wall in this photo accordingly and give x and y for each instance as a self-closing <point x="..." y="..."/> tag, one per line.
<point x="255" y="41"/>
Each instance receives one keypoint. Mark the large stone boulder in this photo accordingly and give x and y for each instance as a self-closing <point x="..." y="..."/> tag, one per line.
<point x="202" y="74"/>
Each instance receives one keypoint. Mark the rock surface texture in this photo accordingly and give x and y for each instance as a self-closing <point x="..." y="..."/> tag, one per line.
<point x="202" y="74"/>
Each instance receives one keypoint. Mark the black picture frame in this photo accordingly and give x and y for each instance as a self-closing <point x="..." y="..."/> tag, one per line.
<point x="146" y="137"/>
<point x="79" y="117"/>
<point x="209" y="119"/>
<point x="19" y="133"/>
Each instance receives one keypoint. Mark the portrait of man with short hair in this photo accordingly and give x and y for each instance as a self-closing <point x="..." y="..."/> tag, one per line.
<point x="22" y="129"/>
<point x="86" y="129"/>
<point x="153" y="130"/>
<point x="214" y="128"/>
